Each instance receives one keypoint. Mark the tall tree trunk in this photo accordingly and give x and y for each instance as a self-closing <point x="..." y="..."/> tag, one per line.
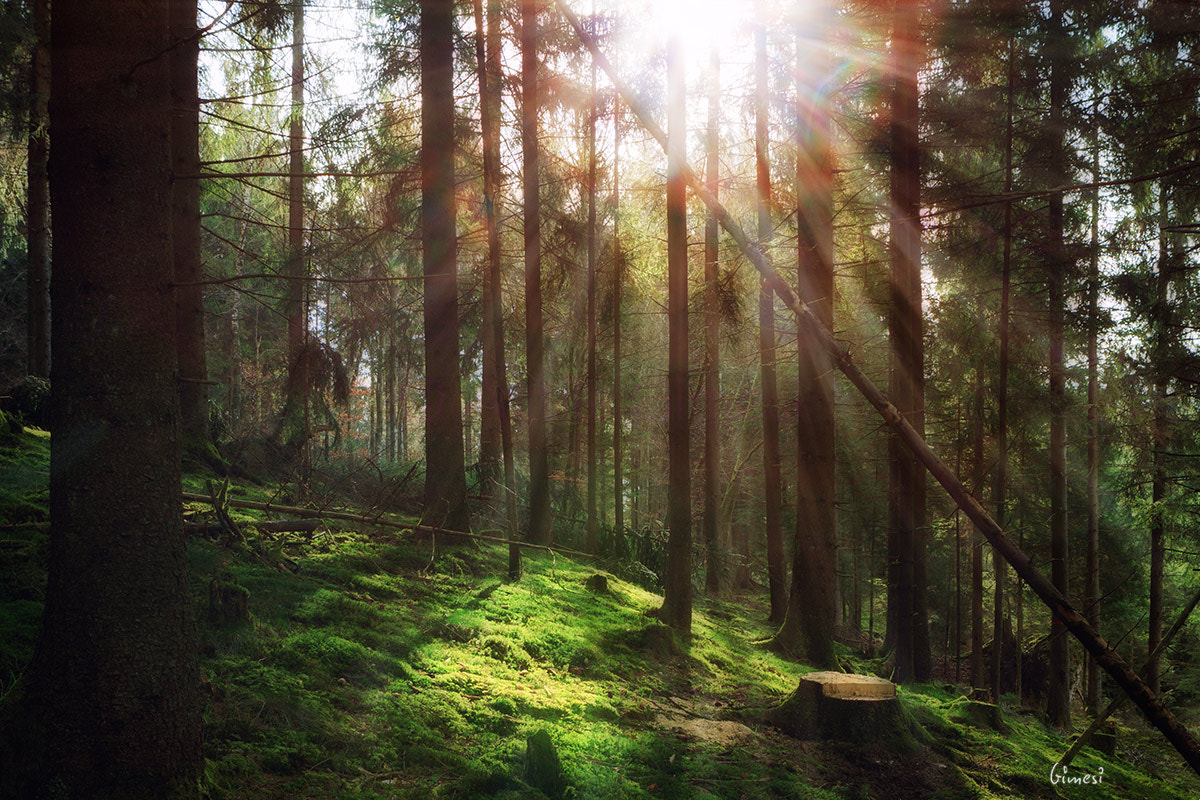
<point x="618" y="267"/>
<point x="487" y="53"/>
<point x="490" y="436"/>
<point x="445" y="472"/>
<point x="712" y="340"/>
<point x="1158" y="438"/>
<point x="592" y="476"/>
<point x="772" y="484"/>
<point x="185" y="215"/>
<point x="37" y="198"/>
<point x="677" y="598"/>
<point x="1058" y="700"/>
<point x="906" y="495"/>
<point x="977" y="479"/>
<point x="809" y="624"/>
<point x="1001" y="487"/>
<point x="297" y="271"/>
<point x="111" y="707"/>
<point x="539" y="470"/>
<point x="1091" y="598"/>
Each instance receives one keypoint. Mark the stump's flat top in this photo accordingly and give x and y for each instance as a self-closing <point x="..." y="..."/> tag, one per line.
<point x="841" y="684"/>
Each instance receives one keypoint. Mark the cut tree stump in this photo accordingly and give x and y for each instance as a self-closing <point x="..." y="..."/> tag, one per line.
<point x="842" y="707"/>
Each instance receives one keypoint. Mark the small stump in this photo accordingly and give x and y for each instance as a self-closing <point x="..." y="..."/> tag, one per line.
<point x="542" y="768"/>
<point x="1105" y="739"/>
<point x="597" y="583"/>
<point x="979" y="714"/>
<point x="841" y="707"/>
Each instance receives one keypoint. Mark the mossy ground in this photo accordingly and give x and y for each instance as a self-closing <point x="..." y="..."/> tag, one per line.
<point x="371" y="670"/>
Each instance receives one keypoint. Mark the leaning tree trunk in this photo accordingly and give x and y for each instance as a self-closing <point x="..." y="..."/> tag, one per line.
<point x="111" y="705"/>
<point x="445" y="473"/>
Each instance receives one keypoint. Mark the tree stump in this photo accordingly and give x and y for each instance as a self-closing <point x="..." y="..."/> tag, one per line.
<point x="842" y="707"/>
<point x="1105" y="739"/>
<point x="542" y="768"/>
<point x="979" y="714"/>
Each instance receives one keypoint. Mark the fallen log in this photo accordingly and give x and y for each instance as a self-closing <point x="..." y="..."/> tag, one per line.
<point x="313" y="513"/>
<point x="1158" y="714"/>
<point x="266" y="526"/>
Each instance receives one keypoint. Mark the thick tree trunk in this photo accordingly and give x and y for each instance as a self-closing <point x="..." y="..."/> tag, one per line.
<point x="772" y="483"/>
<point x="111" y="707"/>
<point x="37" y="198"/>
<point x="712" y="341"/>
<point x="907" y="485"/>
<point x="1058" y="700"/>
<point x="445" y="473"/>
<point x="677" y="599"/>
<point x="490" y="436"/>
<point x="812" y="605"/>
<point x="539" y="469"/>
<point x="1158" y="714"/>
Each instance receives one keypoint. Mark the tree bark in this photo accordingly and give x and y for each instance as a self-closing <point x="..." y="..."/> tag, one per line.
<point x="111" y="705"/>
<point x="618" y="267"/>
<point x="677" y="598"/>
<point x="712" y="340"/>
<point x="445" y="472"/>
<point x="977" y="479"/>
<point x="539" y="471"/>
<point x="1158" y="440"/>
<point x="296" y="267"/>
<point x="37" y="198"/>
<point x="772" y="483"/>
<point x="809" y="624"/>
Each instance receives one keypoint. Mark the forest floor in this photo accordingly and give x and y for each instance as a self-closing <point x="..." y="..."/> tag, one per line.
<point x="373" y="666"/>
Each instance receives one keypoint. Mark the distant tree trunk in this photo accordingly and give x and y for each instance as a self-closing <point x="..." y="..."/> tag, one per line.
<point x="389" y="382"/>
<point x="592" y="476"/>
<point x="1091" y="599"/>
<point x="490" y="437"/>
<point x="906" y="494"/>
<point x="539" y="471"/>
<point x="185" y="213"/>
<point x="977" y="479"/>
<point x="1058" y="700"/>
<point x="487" y="52"/>
<point x="618" y="268"/>
<point x="445" y="472"/>
<point x="677" y="598"/>
<point x="712" y="341"/>
<point x="111" y="705"/>
<point x="37" y="198"/>
<point x="1001" y="487"/>
<point x="1158" y="439"/>
<point x="772" y="488"/>
<point x="809" y="624"/>
<point x="296" y="265"/>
